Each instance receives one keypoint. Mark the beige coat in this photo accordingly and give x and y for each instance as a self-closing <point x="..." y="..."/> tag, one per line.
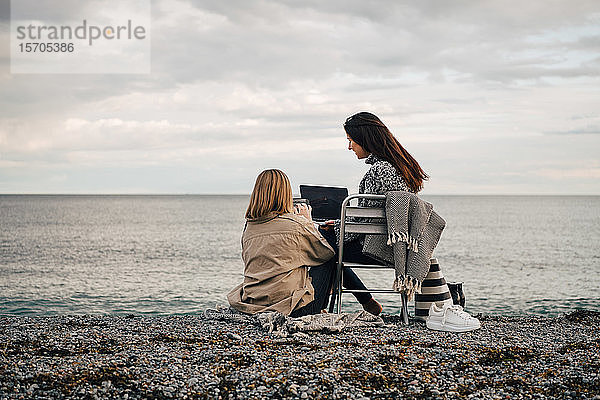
<point x="276" y="251"/>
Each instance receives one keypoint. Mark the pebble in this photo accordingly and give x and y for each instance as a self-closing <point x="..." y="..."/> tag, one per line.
<point x="233" y="336"/>
<point x="196" y="357"/>
<point x="293" y="387"/>
<point x="192" y="381"/>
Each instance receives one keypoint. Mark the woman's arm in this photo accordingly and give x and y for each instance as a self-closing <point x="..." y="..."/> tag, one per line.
<point x="314" y="246"/>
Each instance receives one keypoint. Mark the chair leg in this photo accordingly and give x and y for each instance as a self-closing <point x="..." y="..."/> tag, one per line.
<point x="339" y="294"/>
<point x="333" y="296"/>
<point x="336" y="289"/>
<point x="404" y="312"/>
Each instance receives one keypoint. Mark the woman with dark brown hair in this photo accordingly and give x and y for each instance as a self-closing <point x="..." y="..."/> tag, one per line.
<point x="392" y="169"/>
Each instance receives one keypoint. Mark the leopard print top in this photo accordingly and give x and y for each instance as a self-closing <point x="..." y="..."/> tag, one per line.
<point x="381" y="178"/>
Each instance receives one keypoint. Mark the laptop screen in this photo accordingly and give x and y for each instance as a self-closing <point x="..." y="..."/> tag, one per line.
<point x="326" y="201"/>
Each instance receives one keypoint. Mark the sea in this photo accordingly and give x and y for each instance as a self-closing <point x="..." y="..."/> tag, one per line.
<point x="181" y="254"/>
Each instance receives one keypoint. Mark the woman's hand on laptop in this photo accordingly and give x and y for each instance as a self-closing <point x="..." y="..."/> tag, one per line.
<point x="327" y="225"/>
<point x="303" y="209"/>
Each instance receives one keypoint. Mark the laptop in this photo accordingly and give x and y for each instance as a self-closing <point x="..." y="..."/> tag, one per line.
<point x="326" y="201"/>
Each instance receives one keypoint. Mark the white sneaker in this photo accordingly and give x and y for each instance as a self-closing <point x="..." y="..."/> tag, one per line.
<point x="451" y="318"/>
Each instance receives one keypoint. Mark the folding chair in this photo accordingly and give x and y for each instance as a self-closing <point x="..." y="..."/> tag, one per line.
<point x="376" y="226"/>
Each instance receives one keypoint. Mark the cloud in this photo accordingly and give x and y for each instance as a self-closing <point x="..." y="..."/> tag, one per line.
<point x="586" y="130"/>
<point x="48" y="11"/>
<point x="472" y="89"/>
<point x="574" y="173"/>
<point x="114" y="141"/>
<point x="4" y="12"/>
<point x="481" y="43"/>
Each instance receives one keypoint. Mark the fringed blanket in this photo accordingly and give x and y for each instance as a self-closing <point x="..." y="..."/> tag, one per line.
<point x="414" y="230"/>
<point x="333" y="322"/>
<point x="279" y="324"/>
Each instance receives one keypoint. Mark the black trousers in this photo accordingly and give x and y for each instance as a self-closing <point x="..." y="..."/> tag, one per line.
<point x="324" y="275"/>
<point x="352" y="253"/>
<point x="322" y="281"/>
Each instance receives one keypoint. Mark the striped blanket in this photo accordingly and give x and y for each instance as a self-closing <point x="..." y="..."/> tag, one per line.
<point x="414" y="230"/>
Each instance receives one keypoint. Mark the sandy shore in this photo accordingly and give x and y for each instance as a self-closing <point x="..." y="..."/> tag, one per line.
<point x="196" y="357"/>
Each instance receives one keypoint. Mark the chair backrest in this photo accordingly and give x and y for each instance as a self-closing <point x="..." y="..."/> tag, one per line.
<point x="376" y="226"/>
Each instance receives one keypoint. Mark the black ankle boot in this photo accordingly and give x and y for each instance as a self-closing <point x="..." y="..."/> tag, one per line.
<point x="456" y="291"/>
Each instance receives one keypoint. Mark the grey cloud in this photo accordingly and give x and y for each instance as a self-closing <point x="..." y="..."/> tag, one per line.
<point x="51" y="12"/>
<point x="264" y="44"/>
<point x="462" y="101"/>
<point x="585" y="116"/>
<point x="588" y="130"/>
<point x="586" y="42"/>
<point x="49" y="94"/>
<point x="468" y="57"/>
<point x="4" y="11"/>
<point x="261" y="41"/>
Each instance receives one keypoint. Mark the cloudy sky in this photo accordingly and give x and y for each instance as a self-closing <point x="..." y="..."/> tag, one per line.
<point x="491" y="97"/>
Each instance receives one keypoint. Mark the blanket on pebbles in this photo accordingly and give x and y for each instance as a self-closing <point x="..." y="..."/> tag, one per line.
<point x="277" y="323"/>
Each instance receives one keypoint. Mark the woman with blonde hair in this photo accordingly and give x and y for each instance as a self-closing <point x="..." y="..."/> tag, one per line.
<point x="288" y="265"/>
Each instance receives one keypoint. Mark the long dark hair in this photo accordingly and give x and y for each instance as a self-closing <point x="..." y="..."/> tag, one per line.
<point x="372" y="135"/>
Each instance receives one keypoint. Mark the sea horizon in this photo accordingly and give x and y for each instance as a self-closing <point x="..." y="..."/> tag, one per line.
<point x="180" y="254"/>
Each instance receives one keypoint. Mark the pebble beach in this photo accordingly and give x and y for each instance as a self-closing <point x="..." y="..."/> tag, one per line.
<point x="197" y="357"/>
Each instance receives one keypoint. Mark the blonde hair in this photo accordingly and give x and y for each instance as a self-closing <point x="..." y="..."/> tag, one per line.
<point x="272" y="193"/>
